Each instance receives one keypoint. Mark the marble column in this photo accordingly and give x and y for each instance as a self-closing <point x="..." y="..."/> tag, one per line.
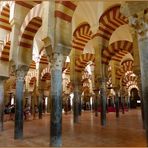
<point x="117" y="102"/>
<point x="103" y="100"/>
<point x="56" y="100"/>
<point x="79" y="99"/>
<point x="48" y="105"/>
<point x="96" y="101"/>
<point x="1" y="103"/>
<point x="40" y="103"/>
<point x="76" y="102"/>
<point x="75" y="78"/>
<point x="139" y="22"/>
<point x="122" y="99"/>
<point x="20" y="75"/>
<point x="136" y="67"/>
<point x="143" y="44"/>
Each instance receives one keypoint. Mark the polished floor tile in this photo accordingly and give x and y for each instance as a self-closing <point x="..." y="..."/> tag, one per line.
<point x="126" y="131"/>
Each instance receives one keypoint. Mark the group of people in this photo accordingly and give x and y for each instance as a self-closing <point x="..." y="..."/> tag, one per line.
<point x="27" y="110"/>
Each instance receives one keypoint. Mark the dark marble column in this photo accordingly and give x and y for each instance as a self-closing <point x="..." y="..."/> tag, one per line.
<point x="96" y="101"/>
<point x="103" y="100"/>
<point x="1" y="103"/>
<point x="143" y="45"/>
<point x="40" y="105"/>
<point x="79" y="99"/>
<point x="48" y="105"/>
<point x="56" y="100"/>
<point x="117" y="102"/>
<point x="20" y="74"/>
<point x="76" y="103"/>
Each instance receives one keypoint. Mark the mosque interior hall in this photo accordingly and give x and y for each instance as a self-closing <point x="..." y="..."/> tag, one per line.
<point x="74" y="73"/>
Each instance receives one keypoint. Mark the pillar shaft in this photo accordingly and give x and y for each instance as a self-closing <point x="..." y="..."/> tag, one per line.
<point x="40" y="105"/>
<point x="103" y="100"/>
<point x="48" y="105"/>
<point x="143" y="44"/>
<point x="20" y="74"/>
<point x="56" y="101"/>
<point x="96" y="102"/>
<point x="117" y="102"/>
<point x="76" y="103"/>
<point x="1" y="104"/>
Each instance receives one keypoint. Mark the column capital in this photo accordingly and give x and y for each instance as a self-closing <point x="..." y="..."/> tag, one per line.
<point x="64" y="49"/>
<point x="57" y="61"/>
<point x="21" y="71"/>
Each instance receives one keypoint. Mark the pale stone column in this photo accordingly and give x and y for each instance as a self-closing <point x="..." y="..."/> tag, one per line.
<point x="57" y="60"/>
<point x="1" y="102"/>
<point x="20" y="75"/>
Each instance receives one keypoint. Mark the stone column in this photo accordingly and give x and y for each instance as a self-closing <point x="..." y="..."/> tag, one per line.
<point x="1" y="102"/>
<point x="122" y="99"/>
<point x="79" y="100"/>
<point x="56" y="100"/>
<point x="20" y="75"/>
<point x="103" y="100"/>
<point x="75" y="78"/>
<point x="76" y="102"/>
<point x="117" y="101"/>
<point x="96" y="102"/>
<point x="48" y="105"/>
<point x="143" y="44"/>
<point x="136" y="68"/>
<point x="140" y="22"/>
<point x="40" y="103"/>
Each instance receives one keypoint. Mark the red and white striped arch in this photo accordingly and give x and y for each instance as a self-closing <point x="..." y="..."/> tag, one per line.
<point x="32" y="65"/>
<point x="65" y="9"/>
<point x="43" y="56"/>
<point x="28" y="4"/>
<point x="30" y="26"/>
<point x="83" y="60"/>
<point x="4" y="54"/>
<point x="32" y="81"/>
<point x="125" y="66"/>
<point x="128" y="79"/>
<point x="130" y="86"/>
<point x="81" y="36"/>
<point x="5" y="15"/>
<point x="45" y="75"/>
<point x="110" y="20"/>
<point x="116" y="51"/>
<point x="31" y="77"/>
<point x="43" y="60"/>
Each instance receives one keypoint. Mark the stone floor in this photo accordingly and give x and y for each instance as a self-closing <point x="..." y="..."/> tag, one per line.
<point x="123" y="132"/>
